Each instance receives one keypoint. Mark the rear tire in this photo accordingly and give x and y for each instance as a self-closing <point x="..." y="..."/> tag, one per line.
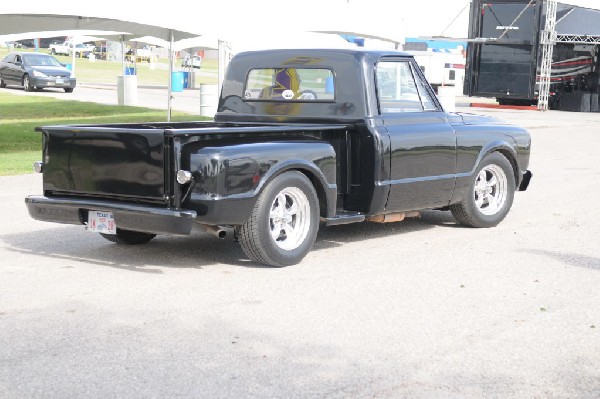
<point x="128" y="237"/>
<point x="68" y="90"/>
<point x="2" y="83"/>
<point x="284" y="222"/>
<point x="490" y="194"/>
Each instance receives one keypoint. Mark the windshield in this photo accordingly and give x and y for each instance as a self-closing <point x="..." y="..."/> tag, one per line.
<point x="40" y="60"/>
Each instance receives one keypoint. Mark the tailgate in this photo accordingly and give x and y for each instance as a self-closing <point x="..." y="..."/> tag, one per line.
<point x="105" y="162"/>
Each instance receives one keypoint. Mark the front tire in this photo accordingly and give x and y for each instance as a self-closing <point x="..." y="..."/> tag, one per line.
<point x="68" y="90"/>
<point x="128" y="237"/>
<point x="490" y="194"/>
<point x="27" y="83"/>
<point x="284" y="222"/>
<point x="2" y="83"/>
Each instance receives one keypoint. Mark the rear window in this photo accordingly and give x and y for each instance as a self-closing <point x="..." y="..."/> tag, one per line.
<point x="290" y="84"/>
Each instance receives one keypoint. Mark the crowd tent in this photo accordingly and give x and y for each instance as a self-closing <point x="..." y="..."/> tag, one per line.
<point x="27" y="22"/>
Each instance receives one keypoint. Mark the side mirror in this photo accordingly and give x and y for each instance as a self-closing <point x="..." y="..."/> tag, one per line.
<point x="18" y="63"/>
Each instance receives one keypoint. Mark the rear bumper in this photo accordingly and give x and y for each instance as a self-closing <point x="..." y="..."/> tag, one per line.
<point x="142" y="218"/>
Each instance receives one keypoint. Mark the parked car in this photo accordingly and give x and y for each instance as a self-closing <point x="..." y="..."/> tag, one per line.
<point x="26" y="43"/>
<point x="66" y="48"/>
<point x="195" y="61"/>
<point x="83" y="50"/>
<point x="140" y="55"/>
<point x="60" y="48"/>
<point x="15" y="44"/>
<point x="35" y="71"/>
<point x="100" y="52"/>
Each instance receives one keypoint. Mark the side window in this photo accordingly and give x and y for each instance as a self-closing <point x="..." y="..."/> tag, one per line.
<point x="396" y="88"/>
<point x="428" y="102"/>
<point x="17" y="59"/>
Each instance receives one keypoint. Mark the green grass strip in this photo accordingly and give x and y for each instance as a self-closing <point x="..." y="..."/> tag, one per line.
<point x="20" y="145"/>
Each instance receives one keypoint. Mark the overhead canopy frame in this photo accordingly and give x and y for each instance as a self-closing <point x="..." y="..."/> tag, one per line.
<point x="124" y="30"/>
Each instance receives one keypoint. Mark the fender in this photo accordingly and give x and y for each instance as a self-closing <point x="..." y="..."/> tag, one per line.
<point x="229" y="178"/>
<point x="463" y="180"/>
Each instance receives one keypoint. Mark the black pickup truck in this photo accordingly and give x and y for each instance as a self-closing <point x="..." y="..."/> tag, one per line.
<point x="301" y="137"/>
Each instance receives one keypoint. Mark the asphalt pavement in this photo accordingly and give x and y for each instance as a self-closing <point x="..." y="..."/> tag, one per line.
<point x="417" y="309"/>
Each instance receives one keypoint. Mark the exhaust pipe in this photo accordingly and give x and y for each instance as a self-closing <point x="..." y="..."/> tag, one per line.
<point x="215" y="230"/>
<point x="393" y="217"/>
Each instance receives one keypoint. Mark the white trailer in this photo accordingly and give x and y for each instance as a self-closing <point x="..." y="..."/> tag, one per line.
<point x="442" y="68"/>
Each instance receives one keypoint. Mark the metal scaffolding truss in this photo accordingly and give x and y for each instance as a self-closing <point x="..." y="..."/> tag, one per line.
<point x="577" y="39"/>
<point x="548" y="40"/>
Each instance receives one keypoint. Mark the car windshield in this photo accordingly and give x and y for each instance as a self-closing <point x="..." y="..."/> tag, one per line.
<point x="40" y="60"/>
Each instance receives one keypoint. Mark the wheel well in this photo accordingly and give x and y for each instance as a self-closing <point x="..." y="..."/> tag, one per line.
<point x="513" y="162"/>
<point x="316" y="182"/>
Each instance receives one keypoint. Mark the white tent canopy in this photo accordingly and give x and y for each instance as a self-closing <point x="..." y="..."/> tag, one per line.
<point x="126" y="30"/>
<point x="287" y="40"/>
<point x="200" y="42"/>
<point x="80" y="36"/>
<point x="24" y="23"/>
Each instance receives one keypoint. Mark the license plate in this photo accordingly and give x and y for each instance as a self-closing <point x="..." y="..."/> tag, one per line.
<point x="101" y="222"/>
<point x="59" y="81"/>
<point x="50" y="84"/>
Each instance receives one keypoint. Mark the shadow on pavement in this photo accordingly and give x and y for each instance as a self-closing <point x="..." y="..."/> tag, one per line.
<point x="200" y="249"/>
<point x="572" y="259"/>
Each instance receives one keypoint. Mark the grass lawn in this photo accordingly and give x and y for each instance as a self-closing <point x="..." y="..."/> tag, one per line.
<point x="20" y="145"/>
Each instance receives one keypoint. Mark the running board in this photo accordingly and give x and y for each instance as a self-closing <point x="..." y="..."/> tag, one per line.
<point x="345" y="218"/>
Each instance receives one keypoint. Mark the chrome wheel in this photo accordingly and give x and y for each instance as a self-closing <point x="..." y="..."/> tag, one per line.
<point x="490" y="194"/>
<point x="289" y="218"/>
<point x="27" y="84"/>
<point x="284" y="222"/>
<point x="490" y="190"/>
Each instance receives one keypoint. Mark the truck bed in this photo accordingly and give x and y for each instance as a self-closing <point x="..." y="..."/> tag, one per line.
<point x="137" y="162"/>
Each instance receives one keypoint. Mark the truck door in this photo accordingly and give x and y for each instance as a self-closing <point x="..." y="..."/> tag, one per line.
<point x="423" y="144"/>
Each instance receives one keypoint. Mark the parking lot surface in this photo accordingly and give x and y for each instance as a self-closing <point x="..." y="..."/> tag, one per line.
<point x="418" y="309"/>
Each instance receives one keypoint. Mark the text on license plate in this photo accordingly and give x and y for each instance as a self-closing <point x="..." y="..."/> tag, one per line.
<point x="101" y="222"/>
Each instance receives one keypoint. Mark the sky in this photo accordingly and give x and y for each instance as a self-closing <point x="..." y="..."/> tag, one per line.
<point x="271" y="18"/>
